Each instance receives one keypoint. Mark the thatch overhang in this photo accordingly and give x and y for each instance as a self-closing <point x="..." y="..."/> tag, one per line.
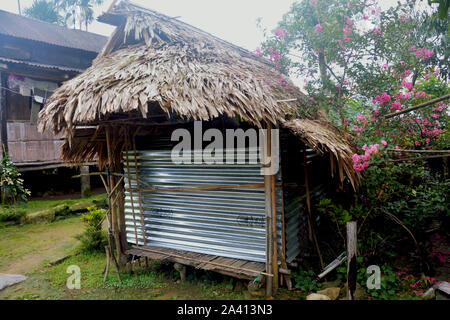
<point x="157" y="64"/>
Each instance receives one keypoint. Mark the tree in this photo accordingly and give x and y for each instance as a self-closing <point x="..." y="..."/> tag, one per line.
<point x="73" y="13"/>
<point x="343" y="48"/>
<point x="78" y="13"/>
<point x="43" y="10"/>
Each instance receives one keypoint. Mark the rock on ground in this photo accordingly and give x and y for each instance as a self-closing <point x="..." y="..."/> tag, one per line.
<point x="316" y="296"/>
<point x="7" y="280"/>
<point x="332" y="293"/>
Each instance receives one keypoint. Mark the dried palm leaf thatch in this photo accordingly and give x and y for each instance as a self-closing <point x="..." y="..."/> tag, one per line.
<point x="151" y="59"/>
<point x="155" y="64"/>
<point x="324" y="139"/>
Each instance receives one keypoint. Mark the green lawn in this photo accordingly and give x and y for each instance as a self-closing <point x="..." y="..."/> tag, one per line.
<point x="34" y="206"/>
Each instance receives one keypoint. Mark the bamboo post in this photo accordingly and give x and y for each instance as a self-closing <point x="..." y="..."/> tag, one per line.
<point x="274" y="218"/>
<point x="351" y="259"/>
<point x="274" y="236"/>
<point x="113" y="207"/>
<point x="268" y="206"/>
<point x="131" y="187"/>
<point x="312" y="234"/>
<point x="121" y="201"/>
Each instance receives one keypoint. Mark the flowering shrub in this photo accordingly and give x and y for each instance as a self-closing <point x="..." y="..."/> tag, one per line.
<point x="12" y="189"/>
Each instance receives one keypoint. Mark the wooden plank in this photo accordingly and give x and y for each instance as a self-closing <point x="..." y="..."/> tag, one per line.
<point x="351" y="259"/>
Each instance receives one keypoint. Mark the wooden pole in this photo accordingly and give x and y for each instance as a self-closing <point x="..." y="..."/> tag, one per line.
<point x="351" y="259"/>
<point x="114" y="224"/>
<point x="121" y="200"/>
<point x="131" y="187"/>
<point x="268" y="211"/>
<point x="274" y="236"/>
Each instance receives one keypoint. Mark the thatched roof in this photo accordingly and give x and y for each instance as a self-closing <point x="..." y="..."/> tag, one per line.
<point x="325" y="139"/>
<point x="154" y="62"/>
<point x="151" y="58"/>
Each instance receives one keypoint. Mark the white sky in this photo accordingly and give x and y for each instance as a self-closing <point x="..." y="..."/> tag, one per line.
<point x="231" y="20"/>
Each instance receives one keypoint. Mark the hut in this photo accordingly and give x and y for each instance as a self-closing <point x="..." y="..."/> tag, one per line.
<point x="157" y="74"/>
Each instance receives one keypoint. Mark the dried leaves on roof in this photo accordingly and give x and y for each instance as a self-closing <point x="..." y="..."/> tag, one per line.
<point x="186" y="72"/>
<point x="324" y="139"/>
<point x="153" y="61"/>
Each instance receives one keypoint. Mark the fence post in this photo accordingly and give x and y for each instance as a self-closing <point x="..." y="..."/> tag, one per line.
<point x="351" y="259"/>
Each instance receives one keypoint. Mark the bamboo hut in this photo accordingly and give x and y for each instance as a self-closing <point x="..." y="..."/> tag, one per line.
<point x="156" y="74"/>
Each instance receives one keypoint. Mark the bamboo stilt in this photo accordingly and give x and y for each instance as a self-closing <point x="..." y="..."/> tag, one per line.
<point x="130" y="186"/>
<point x="269" y="234"/>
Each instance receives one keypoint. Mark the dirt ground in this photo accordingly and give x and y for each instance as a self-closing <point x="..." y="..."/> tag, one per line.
<point x="23" y="249"/>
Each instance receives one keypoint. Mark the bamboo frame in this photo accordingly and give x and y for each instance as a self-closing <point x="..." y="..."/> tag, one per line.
<point x="205" y="262"/>
<point x="129" y="184"/>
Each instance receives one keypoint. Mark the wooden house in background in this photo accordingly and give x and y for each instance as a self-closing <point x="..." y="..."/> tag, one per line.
<point x="35" y="58"/>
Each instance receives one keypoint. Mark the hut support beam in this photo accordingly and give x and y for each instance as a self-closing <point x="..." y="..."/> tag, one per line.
<point x="271" y="221"/>
<point x="113" y="208"/>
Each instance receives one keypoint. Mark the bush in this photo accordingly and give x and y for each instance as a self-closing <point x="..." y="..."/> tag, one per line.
<point x="12" y="189"/>
<point x="12" y="214"/>
<point x="305" y="280"/>
<point x="93" y="238"/>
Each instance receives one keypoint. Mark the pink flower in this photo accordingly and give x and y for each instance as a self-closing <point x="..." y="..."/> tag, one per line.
<point x="313" y="3"/>
<point x="347" y="30"/>
<point x="281" y="33"/>
<point x="407" y="84"/>
<point x="396" y="106"/>
<point x="383" y="142"/>
<point x="417" y="143"/>
<point x="319" y="28"/>
<point x="377" y="31"/>
<point x="365" y="17"/>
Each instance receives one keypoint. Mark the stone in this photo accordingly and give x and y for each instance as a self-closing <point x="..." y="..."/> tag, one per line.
<point x="316" y="296"/>
<point x="7" y="280"/>
<point x="332" y="293"/>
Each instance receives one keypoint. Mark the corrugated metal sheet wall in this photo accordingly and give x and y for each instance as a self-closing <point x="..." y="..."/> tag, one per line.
<point x="223" y="222"/>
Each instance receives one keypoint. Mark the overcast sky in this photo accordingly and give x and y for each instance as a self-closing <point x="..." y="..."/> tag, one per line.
<point x="231" y="20"/>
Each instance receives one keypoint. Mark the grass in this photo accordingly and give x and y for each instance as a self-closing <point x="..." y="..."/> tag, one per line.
<point x="13" y="213"/>
<point x="156" y="282"/>
<point x="35" y="206"/>
<point x="30" y="249"/>
<point x="32" y="244"/>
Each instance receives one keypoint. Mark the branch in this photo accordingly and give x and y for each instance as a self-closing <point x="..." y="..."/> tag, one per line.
<point x="423" y="105"/>
<point x="419" y="151"/>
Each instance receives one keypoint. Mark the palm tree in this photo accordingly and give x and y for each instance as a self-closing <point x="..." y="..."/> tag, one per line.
<point x="43" y="10"/>
<point x="78" y="12"/>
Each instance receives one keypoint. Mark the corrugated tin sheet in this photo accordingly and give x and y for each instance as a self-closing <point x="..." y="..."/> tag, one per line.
<point x="223" y="222"/>
<point x="40" y="65"/>
<point x="21" y="27"/>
